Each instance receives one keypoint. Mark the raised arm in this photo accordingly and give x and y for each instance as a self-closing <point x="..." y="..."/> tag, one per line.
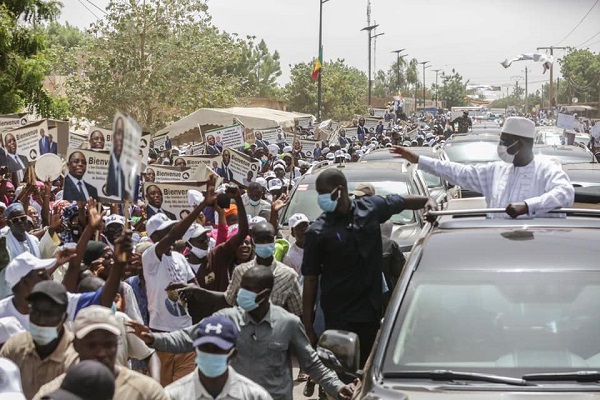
<point x="123" y="245"/>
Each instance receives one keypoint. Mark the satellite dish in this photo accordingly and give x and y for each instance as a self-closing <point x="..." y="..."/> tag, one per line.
<point x="574" y="100"/>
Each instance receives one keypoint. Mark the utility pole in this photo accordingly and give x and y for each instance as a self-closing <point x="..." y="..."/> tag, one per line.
<point x="398" y="67"/>
<point x="551" y="89"/>
<point x="436" y="87"/>
<point x="319" y="87"/>
<point x="369" y="29"/>
<point x="424" y="87"/>
<point x="526" y="105"/>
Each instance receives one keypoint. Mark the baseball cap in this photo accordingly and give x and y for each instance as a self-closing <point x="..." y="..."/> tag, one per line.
<point x="86" y="380"/>
<point x="194" y="231"/>
<point x="261" y="181"/>
<point x="23" y="264"/>
<point x="10" y="381"/>
<point x="275" y="184"/>
<point x="15" y="208"/>
<point x="114" y="219"/>
<point x="278" y="165"/>
<point x="158" y="222"/>
<point x="9" y="326"/>
<point x="363" y="189"/>
<point x="297" y="219"/>
<point x="217" y="330"/>
<point x="195" y="197"/>
<point x="53" y="290"/>
<point x="256" y="220"/>
<point x="93" y="318"/>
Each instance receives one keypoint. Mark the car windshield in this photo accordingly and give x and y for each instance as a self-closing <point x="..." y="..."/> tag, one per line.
<point x="556" y="139"/>
<point x="432" y="181"/>
<point x="304" y="200"/>
<point x="472" y="152"/>
<point x="492" y="322"/>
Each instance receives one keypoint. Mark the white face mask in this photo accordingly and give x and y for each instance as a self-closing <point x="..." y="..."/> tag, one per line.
<point x="503" y="153"/>
<point x="200" y="253"/>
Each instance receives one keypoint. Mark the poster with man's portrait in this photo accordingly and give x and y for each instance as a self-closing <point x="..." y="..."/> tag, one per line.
<point x="22" y="145"/>
<point x="124" y="164"/>
<point x="86" y="175"/>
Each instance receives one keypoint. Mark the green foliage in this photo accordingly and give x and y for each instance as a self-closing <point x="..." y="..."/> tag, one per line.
<point x="157" y="60"/>
<point x="387" y="83"/>
<point x="23" y="64"/>
<point x="344" y="90"/>
<point x="453" y="90"/>
<point x="258" y="69"/>
<point x="581" y="71"/>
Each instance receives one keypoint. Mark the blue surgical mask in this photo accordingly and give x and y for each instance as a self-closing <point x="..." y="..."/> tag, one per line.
<point x="325" y="202"/>
<point x="43" y="335"/>
<point x="114" y="307"/>
<point x="254" y="203"/>
<point x="246" y="300"/>
<point x="264" y="250"/>
<point x="211" y="365"/>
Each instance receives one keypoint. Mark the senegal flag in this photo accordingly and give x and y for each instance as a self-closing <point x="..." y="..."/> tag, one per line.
<point x="317" y="68"/>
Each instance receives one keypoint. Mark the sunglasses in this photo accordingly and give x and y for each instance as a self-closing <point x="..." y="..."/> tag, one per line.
<point x="22" y="218"/>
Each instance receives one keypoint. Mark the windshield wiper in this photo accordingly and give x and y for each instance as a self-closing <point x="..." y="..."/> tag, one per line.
<point x="447" y="375"/>
<point x="577" y="376"/>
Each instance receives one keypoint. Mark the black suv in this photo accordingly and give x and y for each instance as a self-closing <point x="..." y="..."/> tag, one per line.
<point x="486" y="308"/>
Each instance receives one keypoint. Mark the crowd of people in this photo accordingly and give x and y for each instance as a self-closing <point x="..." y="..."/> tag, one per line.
<point x="217" y="303"/>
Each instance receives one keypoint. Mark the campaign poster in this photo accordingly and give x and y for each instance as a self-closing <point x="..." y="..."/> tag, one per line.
<point x="22" y="145"/>
<point x="159" y="142"/>
<point x="211" y="162"/>
<point x="307" y="147"/>
<point x="124" y="164"/>
<point x="351" y="132"/>
<point x="86" y="176"/>
<point x="99" y="139"/>
<point x="596" y="131"/>
<point x="198" y="149"/>
<point x="165" y="174"/>
<point x="77" y="141"/>
<point x="304" y="122"/>
<point x="218" y="139"/>
<point x="144" y="150"/>
<point x="566" y="121"/>
<point x="12" y="121"/>
<point x="172" y="197"/>
<point x="270" y="135"/>
<point x="239" y="167"/>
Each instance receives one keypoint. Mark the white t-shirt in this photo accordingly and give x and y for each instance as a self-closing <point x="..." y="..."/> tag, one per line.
<point x="293" y="258"/>
<point x="165" y="314"/>
<point x="7" y="308"/>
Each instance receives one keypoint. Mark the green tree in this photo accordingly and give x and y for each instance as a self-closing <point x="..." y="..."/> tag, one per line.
<point x="581" y="71"/>
<point x="344" y="90"/>
<point x="412" y="75"/>
<point x="453" y="90"/>
<point x="23" y="65"/>
<point x="157" y="60"/>
<point x="258" y="69"/>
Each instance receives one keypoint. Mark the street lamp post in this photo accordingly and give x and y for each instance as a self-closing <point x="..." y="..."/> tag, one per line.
<point x="398" y="67"/>
<point x="436" y="87"/>
<point x="369" y="29"/>
<point x="319" y="89"/>
<point x="424" y="87"/>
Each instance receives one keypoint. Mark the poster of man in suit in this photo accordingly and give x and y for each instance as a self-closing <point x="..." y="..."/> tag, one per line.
<point x="75" y="187"/>
<point x="124" y="165"/>
<point x="22" y="146"/>
<point x="170" y="198"/>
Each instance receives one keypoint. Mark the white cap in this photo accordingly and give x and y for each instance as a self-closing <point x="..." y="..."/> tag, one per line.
<point x="9" y="326"/>
<point x="256" y="220"/>
<point x="273" y="149"/>
<point x="519" y="126"/>
<point x="278" y="165"/>
<point x="195" y="197"/>
<point x="339" y="153"/>
<point x="297" y="219"/>
<point x="10" y="381"/>
<point x="287" y="149"/>
<point x="114" y="219"/>
<point x="269" y="175"/>
<point x="330" y="156"/>
<point x="325" y="150"/>
<point x="261" y="181"/>
<point x="23" y="264"/>
<point x="194" y="231"/>
<point x="275" y="184"/>
<point x="158" y="222"/>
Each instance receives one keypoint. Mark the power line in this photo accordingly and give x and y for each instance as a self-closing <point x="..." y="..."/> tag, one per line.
<point x="579" y="23"/>
<point x="87" y="8"/>
<point x="597" y="33"/>
<point x="89" y="1"/>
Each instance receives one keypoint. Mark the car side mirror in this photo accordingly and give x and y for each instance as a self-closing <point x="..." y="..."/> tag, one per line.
<point x="339" y="350"/>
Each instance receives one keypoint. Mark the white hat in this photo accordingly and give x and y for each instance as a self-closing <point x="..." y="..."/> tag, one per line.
<point x="194" y="231"/>
<point x="114" y="219"/>
<point x="23" y="264"/>
<point x="519" y="126"/>
<point x="269" y="175"/>
<point x="275" y="184"/>
<point x="273" y="149"/>
<point x="94" y="318"/>
<point x="10" y="380"/>
<point x="256" y="220"/>
<point x="195" y="197"/>
<point x="287" y="149"/>
<point x="9" y="326"/>
<point x="347" y="156"/>
<point x="325" y="150"/>
<point x="339" y="153"/>
<point x="261" y="181"/>
<point x="297" y="219"/>
<point x="278" y="165"/>
<point x="158" y="222"/>
<point x="330" y="156"/>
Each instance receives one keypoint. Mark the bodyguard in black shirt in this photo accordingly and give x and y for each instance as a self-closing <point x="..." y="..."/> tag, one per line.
<point x="343" y="247"/>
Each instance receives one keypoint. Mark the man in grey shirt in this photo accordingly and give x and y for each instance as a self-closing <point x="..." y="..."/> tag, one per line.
<point x="267" y="333"/>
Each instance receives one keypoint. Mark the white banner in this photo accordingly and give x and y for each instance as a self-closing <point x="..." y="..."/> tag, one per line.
<point x="24" y="144"/>
<point x="596" y="131"/>
<point x="174" y="196"/>
<point x="566" y="121"/>
<point x="270" y="135"/>
<point x="77" y="141"/>
<point x="218" y="139"/>
<point x="144" y="150"/>
<point x="164" y="174"/>
<point x="307" y="147"/>
<point x="239" y="167"/>
<point x="11" y="121"/>
<point x="304" y="122"/>
<point x="91" y="168"/>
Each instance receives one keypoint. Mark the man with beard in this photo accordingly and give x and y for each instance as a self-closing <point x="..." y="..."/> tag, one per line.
<point x="154" y="199"/>
<point x="76" y="189"/>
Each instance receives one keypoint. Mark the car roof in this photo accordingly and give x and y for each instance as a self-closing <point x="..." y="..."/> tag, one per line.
<point x="385" y="155"/>
<point x="541" y="244"/>
<point x="365" y="172"/>
<point x="472" y="137"/>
